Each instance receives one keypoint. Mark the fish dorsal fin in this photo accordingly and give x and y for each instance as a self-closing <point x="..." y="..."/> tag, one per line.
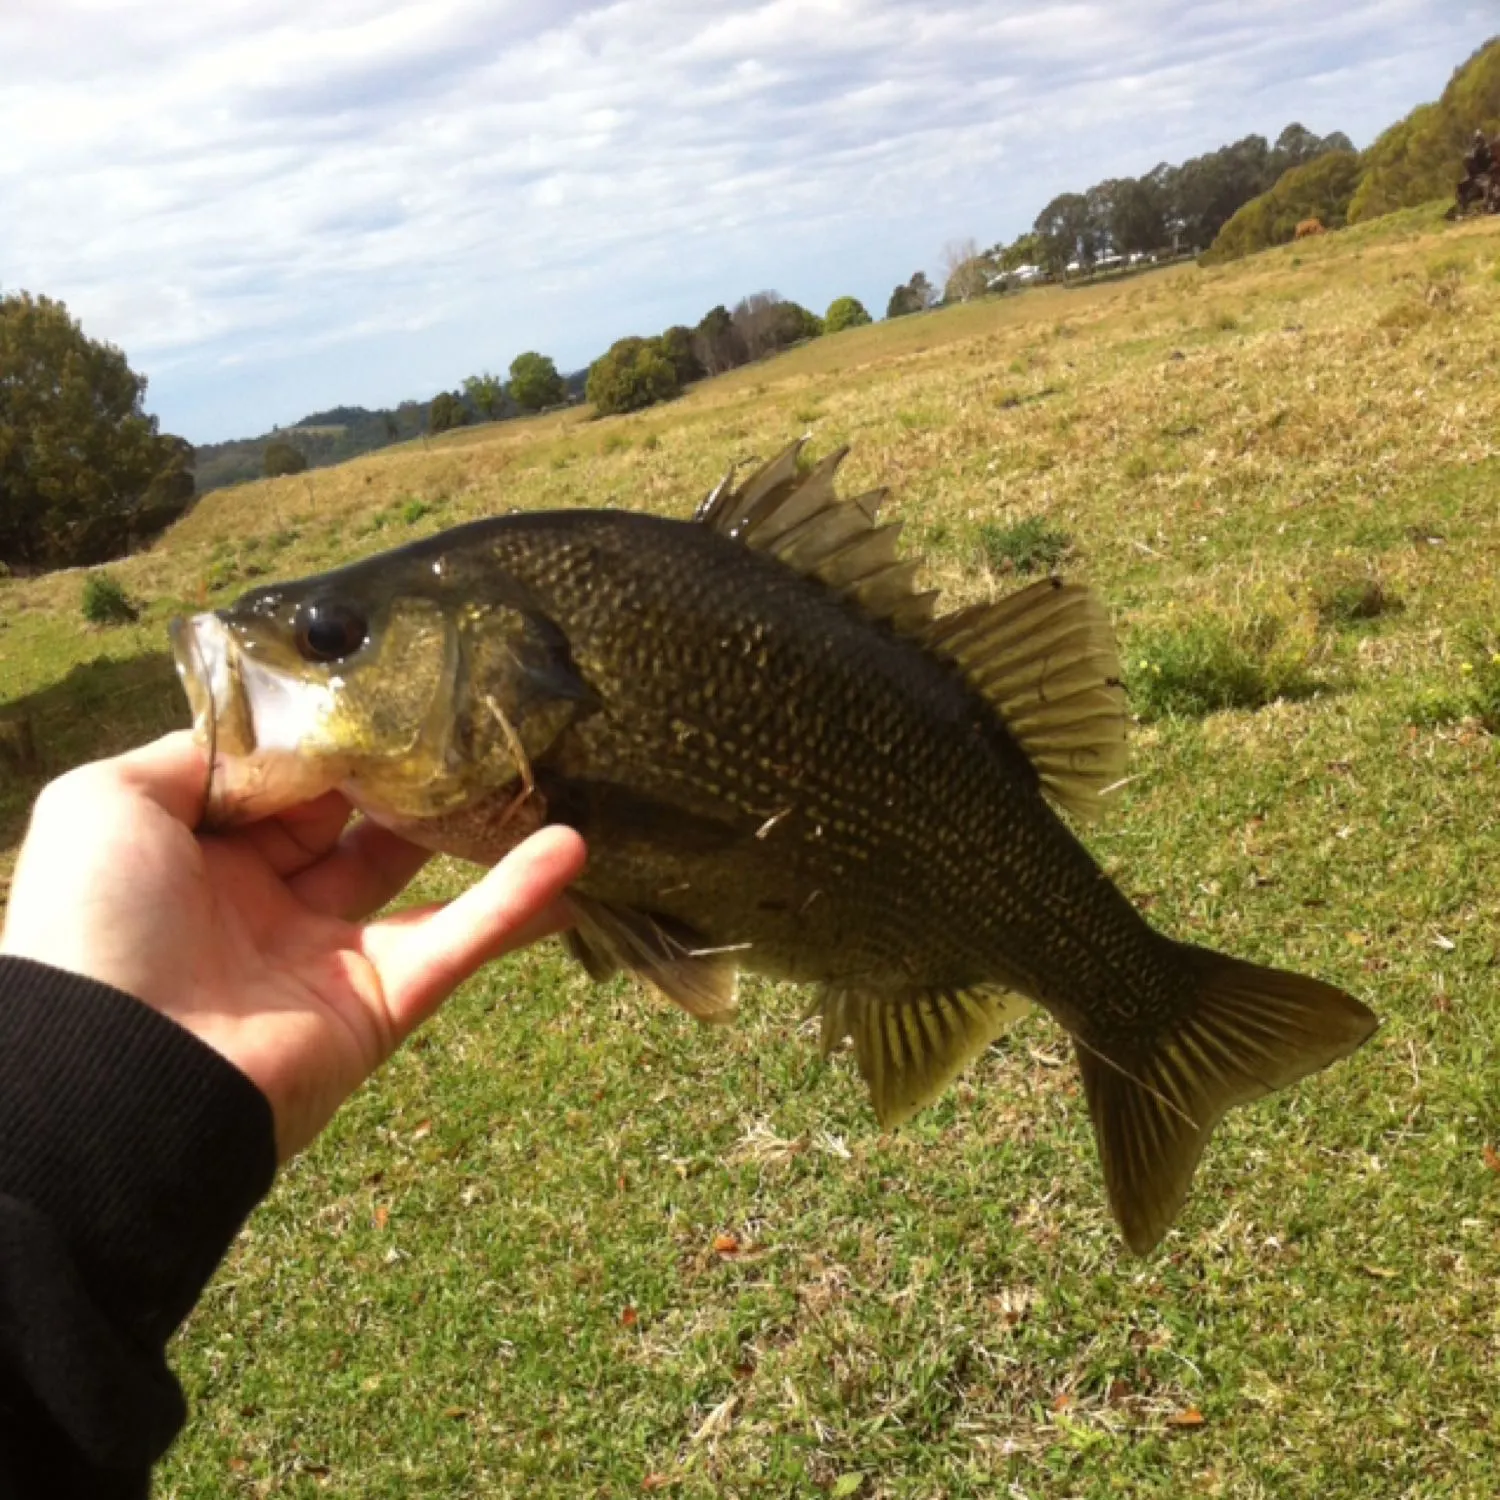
<point x="800" y="520"/>
<point x="909" y="1047"/>
<point x="1045" y="659"/>
<point x="606" y="939"/>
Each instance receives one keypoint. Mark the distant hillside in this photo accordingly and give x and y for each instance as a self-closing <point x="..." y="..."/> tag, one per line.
<point x="1421" y="158"/>
<point x="330" y="437"/>
<point x="1417" y="160"/>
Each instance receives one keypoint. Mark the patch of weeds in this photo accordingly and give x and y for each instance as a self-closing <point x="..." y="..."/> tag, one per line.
<point x="562" y="459"/>
<point x="279" y="541"/>
<point x="1221" y="320"/>
<point x="1353" y="600"/>
<point x="807" y="414"/>
<point x="106" y="603"/>
<point x="221" y="574"/>
<point x="1138" y="467"/>
<point x="614" y="442"/>
<point x="414" y="510"/>
<point x="1207" y="665"/>
<point x="1030" y="546"/>
<point x="1376" y="536"/>
<point x="651" y="442"/>
<point x="912" y="421"/>
<point x="1476" y="694"/>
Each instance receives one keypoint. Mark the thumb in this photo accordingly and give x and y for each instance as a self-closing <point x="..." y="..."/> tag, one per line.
<point x="423" y="955"/>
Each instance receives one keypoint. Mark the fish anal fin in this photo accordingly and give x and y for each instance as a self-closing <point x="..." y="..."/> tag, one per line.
<point x="909" y="1047"/>
<point x="1252" y="1030"/>
<point x="1045" y="660"/>
<point x="664" y="953"/>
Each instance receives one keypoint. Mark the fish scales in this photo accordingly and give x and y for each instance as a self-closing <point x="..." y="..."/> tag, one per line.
<point x="783" y="759"/>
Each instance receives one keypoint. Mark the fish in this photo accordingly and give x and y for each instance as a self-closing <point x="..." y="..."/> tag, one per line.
<point x="784" y="760"/>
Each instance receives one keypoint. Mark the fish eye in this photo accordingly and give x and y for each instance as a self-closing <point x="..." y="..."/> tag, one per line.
<point x="328" y="630"/>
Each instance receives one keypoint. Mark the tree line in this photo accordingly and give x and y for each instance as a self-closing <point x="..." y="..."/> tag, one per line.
<point x="85" y="473"/>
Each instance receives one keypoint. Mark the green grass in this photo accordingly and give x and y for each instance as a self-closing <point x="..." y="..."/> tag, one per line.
<point x="497" y="1275"/>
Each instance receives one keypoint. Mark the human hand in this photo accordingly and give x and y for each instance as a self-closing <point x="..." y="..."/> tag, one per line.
<point x="254" y="940"/>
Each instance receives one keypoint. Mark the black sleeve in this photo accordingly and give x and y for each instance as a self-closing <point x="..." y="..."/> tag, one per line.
<point x="130" y="1155"/>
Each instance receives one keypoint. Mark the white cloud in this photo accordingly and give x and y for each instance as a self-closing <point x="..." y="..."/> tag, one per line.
<point x="275" y="206"/>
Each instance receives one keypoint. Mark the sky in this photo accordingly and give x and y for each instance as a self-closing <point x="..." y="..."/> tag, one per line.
<point x="279" y="206"/>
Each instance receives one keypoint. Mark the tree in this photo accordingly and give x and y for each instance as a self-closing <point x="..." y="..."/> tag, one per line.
<point x="916" y="296"/>
<point x="966" y="274"/>
<point x="1061" y="231"/>
<point x="678" y="346"/>
<point x="535" y="383"/>
<point x="283" y="458"/>
<point x="1321" y="188"/>
<point x="486" y="394"/>
<point x="1421" y="157"/>
<point x="633" y="374"/>
<point x="845" y="312"/>
<point x="717" y="342"/>
<point x="447" y="411"/>
<point x="84" y="472"/>
<point x="1138" y="215"/>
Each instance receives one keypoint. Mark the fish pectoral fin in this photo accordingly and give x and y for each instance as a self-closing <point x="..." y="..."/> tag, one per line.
<point x="1252" y="1030"/>
<point x="909" y="1047"/>
<point x="1045" y="659"/>
<point x="667" y="955"/>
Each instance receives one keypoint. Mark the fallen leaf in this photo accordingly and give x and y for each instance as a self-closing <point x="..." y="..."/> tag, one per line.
<point x="422" y="1130"/>
<point x="653" y="1482"/>
<point x="1062" y="1401"/>
<point x="629" y="1317"/>
<point x="1380" y="1272"/>
<point x="726" y="1244"/>
<point x="455" y="1413"/>
<point x="1192" y="1417"/>
<point x="846" y="1485"/>
<point x="382" y="1216"/>
<point x="1491" y="1157"/>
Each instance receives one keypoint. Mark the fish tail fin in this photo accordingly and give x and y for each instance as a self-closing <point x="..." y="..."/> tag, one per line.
<point x="1250" y="1030"/>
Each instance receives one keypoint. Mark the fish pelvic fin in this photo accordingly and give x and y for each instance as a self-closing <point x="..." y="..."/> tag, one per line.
<point x="1045" y="660"/>
<point x="665" y="954"/>
<point x="909" y="1047"/>
<point x="1252" y="1030"/>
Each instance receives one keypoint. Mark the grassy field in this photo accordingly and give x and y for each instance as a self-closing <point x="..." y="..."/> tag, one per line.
<point x="569" y="1243"/>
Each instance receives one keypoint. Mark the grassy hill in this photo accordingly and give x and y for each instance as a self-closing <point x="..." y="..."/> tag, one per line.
<point x="502" y="1272"/>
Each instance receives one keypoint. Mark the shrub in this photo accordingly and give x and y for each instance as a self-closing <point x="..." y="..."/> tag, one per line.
<point x="106" y="603"/>
<point x="1208" y="665"/>
<point x="282" y="458"/>
<point x="634" y="373"/>
<point x="1030" y="546"/>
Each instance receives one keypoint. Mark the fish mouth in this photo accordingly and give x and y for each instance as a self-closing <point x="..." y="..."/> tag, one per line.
<point x="207" y="664"/>
<point x="247" y="780"/>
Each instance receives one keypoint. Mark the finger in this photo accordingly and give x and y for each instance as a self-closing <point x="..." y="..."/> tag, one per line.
<point x="298" y="837"/>
<point x="364" y="870"/>
<point x="422" y="957"/>
<point x="171" y="771"/>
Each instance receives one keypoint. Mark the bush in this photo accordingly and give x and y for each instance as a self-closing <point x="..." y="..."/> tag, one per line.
<point x="635" y="373"/>
<point x="106" y="603"/>
<point x="845" y="312"/>
<point x="282" y="458"/>
<point x="1351" y="601"/>
<point x="1029" y="546"/>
